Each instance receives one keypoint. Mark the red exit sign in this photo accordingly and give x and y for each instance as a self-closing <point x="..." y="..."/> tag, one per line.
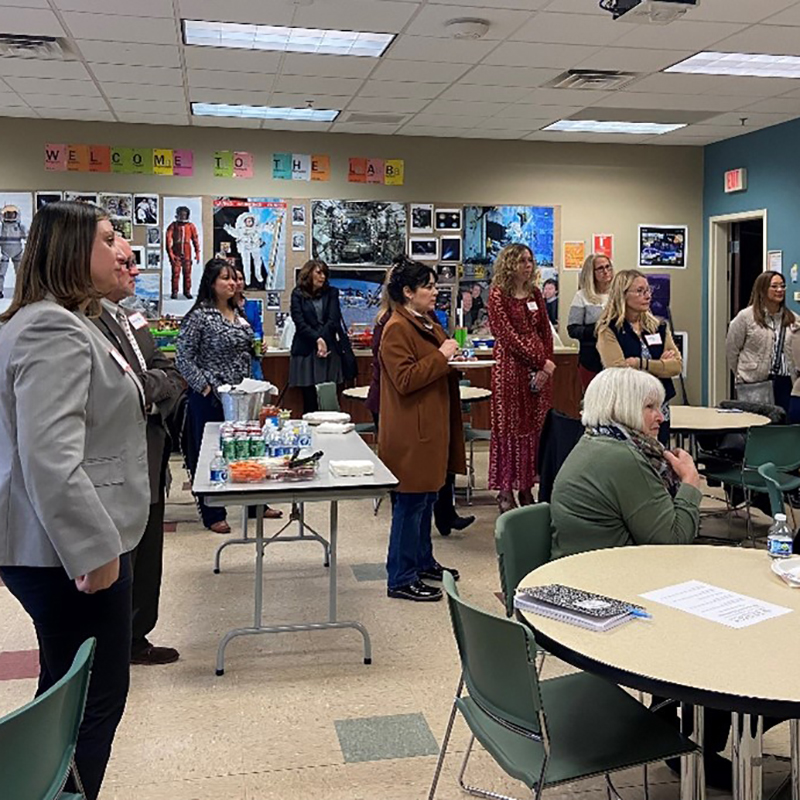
<point x="735" y="180"/>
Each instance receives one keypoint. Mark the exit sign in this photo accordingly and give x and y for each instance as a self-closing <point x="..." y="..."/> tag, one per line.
<point x="735" y="180"/>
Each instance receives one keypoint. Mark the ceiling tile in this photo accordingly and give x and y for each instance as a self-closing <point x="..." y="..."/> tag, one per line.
<point x="354" y="127"/>
<point x="463" y="108"/>
<point x="329" y="86"/>
<point x="524" y="5"/>
<point x="355" y="15"/>
<point x="587" y="138"/>
<point x="692" y="102"/>
<point x="502" y="123"/>
<point x="159" y="76"/>
<point x="482" y="133"/>
<point x="35" y="68"/>
<point x="419" y="130"/>
<point x="738" y="10"/>
<point x="538" y="112"/>
<point x="81" y="116"/>
<point x="209" y="79"/>
<point x="225" y="122"/>
<point x="243" y="97"/>
<point x="17" y="111"/>
<point x="142" y="8"/>
<point x="29" y="21"/>
<point x="486" y="75"/>
<point x="44" y="86"/>
<point x="255" y="11"/>
<point x="154" y="119"/>
<point x="330" y="66"/>
<point x="300" y="100"/>
<point x="393" y="105"/>
<point x="577" y="7"/>
<point x="553" y="56"/>
<point x="432" y="19"/>
<point x="142" y="91"/>
<point x="286" y="125"/>
<point x="493" y="94"/>
<point x="566" y="97"/>
<point x="418" y="71"/>
<point x="401" y="89"/>
<point x="663" y="83"/>
<point x="231" y="60"/>
<point x="144" y="55"/>
<point x="109" y="28"/>
<point x="685" y="34"/>
<point x="633" y="59"/>
<point x="569" y="29"/>
<point x="754" y="121"/>
<point x="431" y="118"/>
<point x="429" y="48"/>
<point x="769" y="39"/>
<point x="791" y="16"/>
<point x="149" y="106"/>
<point x="28" y="3"/>
<point x="40" y="101"/>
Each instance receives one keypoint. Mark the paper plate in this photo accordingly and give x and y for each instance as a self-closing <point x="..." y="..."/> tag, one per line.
<point x="788" y="569"/>
<point x="318" y="417"/>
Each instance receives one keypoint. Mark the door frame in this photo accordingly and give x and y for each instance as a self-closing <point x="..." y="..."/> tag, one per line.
<point x="718" y="295"/>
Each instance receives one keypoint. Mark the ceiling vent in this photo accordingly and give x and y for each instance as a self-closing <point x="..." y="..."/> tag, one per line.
<point x="601" y="80"/>
<point x="373" y="119"/>
<point x="17" y="46"/>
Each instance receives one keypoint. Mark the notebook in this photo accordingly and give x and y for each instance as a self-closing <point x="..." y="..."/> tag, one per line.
<point x="575" y="606"/>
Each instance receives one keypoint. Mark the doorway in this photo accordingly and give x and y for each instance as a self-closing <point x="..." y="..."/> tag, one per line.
<point x="746" y="261"/>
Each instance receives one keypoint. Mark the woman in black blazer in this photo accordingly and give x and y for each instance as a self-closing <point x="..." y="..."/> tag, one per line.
<point x="320" y="344"/>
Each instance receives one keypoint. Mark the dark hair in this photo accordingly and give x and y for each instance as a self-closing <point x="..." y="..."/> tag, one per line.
<point x="409" y="274"/>
<point x="758" y="299"/>
<point x="58" y="258"/>
<point x="205" y="292"/>
<point x="184" y="209"/>
<point x="551" y="280"/>
<point x="304" y="280"/>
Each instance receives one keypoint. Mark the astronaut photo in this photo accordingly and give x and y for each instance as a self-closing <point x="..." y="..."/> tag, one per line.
<point x="181" y="237"/>
<point x="249" y="235"/>
<point x="12" y="241"/>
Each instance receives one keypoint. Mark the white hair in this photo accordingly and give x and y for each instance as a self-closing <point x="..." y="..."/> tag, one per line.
<point x="619" y="396"/>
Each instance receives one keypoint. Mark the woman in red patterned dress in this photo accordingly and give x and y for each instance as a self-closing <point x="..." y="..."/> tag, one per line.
<point x="522" y="377"/>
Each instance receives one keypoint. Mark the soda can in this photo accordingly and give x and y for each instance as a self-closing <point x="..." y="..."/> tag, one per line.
<point x="242" y="446"/>
<point x="258" y="447"/>
<point x="229" y="448"/>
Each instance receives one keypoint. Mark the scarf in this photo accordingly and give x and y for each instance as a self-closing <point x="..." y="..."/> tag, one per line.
<point x="647" y="446"/>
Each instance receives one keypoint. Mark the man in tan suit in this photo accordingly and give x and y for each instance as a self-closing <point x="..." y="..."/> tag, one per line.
<point x="163" y="386"/>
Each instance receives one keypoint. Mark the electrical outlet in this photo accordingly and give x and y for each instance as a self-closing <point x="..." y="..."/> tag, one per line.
<point x="797" y="297"/>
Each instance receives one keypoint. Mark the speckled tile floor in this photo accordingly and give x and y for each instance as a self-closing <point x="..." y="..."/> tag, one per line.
<point x="299" y="715"/>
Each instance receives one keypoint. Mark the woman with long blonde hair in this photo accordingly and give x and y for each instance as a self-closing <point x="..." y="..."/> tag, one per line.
<point x="586" y="309"/>
<point x="522" y="375"/>
<point x="629" y="335"/>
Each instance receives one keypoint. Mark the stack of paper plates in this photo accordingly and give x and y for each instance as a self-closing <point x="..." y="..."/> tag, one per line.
<point x="789" y="570"/>
<point x="318" y="417"/>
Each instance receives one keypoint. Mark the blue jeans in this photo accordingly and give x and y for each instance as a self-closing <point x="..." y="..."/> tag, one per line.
<point x="410" y="548"/>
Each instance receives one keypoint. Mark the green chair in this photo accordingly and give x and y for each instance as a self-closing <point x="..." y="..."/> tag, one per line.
<point x="471" y="435"/>
<point x="769" y="472"/>
<point x="543" y="733"/>
<point x="522" y="539"/>
<point x="776" y="444"/>
<point x="37" y="742"/>
<point x="328" y="400"/>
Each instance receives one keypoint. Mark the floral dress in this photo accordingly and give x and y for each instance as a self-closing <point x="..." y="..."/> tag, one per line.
<point x="523" y="342"/>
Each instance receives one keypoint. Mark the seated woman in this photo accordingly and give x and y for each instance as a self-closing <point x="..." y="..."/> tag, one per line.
<point x="619" y="485"/>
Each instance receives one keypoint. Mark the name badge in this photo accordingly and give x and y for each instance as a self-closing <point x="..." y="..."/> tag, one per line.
<point x="137" y="320"/>
<point x="653" y="338"/>
<point x="532" y="305"/>
<point x="121" y="362"/>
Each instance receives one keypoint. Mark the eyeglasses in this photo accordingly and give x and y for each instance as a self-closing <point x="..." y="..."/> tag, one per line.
<point x="606" y="268"/>
<point x="641" y="292"/>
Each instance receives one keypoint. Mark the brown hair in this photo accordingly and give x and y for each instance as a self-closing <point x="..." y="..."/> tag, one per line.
<point x="58" y="257"/>
<point x="758" y="300"/>
<point x="505" y="269"/>
<point x="614" y="312"/>
<point x="304" y="280"/>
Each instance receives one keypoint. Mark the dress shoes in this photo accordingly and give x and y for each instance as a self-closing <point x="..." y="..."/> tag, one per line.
<point x="436" y="572"/>
<point x="418" y="591"/>
<point x="150" y="655"/>
<point x="456" y="523"/>
<point x="188" y="295"/>
<point x="173" y="296"/>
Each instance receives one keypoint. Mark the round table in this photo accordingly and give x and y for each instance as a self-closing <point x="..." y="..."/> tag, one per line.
<point x="468" y="394"/>
<point x="678" y="655"/>
<point x="691" y="420"/>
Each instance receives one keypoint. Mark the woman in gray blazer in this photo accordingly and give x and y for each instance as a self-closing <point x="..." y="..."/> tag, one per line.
<point x="74" y="494"/>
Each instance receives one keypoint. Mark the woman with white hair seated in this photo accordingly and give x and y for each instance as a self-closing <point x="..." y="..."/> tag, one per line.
<point x="619" y="485"/>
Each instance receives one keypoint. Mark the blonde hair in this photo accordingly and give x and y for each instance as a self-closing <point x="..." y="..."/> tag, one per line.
<point x="586" y="280"/>
<point x="614" y="313"/>
<point x="505" y="269"/>
<point x="618" y="396"/>
<point x="387" y="304"/>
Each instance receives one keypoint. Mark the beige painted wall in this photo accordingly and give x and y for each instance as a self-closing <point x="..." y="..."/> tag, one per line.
<point x="600" y="188"/>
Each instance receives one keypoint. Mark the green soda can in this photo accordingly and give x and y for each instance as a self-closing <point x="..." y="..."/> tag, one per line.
<point x="258" y="447"/>
<point x="242" y="446"/>
<point x="229" y="449"/>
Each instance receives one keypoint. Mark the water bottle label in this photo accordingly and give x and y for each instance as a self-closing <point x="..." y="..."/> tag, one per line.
<point x="779" y="548"/>
<point x="219" y="475"/>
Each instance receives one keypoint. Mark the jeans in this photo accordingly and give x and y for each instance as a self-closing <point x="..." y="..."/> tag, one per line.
<point x="410" y="548"/>
<point x="64" y="618"/>
<point x="202" y="410"/>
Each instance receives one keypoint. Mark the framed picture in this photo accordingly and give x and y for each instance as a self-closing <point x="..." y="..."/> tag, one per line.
<point x="138" y="255"/>
<point x="43" y="198"/>
<point x="448" y="219"/>
<point x="153" y="259"/>
<point x="154" y="237"/>
<point x="124" y="227"/>
<point x="147" y="297"/>
<point x="359" y="293"/>
<point x="145" y="209"/>
<point x="117" y="205"/>
<point x="423" y="248"/>
<point x="81" y="197"/>
<point x="451" y="249"/>
<point x="273" y="301"/>
<point x="299" y="241"/>
<point x="298" y="215"/>
<point x="421" y="218"/>
<point x="663" y="246"/>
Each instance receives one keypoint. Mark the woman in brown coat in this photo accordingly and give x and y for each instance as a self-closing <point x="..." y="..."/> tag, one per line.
<point x="420" y="436"/>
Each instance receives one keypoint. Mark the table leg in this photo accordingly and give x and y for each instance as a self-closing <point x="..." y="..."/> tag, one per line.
<point x="228" y="542"/>
<point x="747" y="734"/>
<point x="794" y="751"/>
<point x="693" y="777"/>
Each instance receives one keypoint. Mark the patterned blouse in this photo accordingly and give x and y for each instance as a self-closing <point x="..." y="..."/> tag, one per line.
<point x="212" y="350"/>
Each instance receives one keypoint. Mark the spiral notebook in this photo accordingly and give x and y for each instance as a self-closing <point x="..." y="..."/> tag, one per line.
<point x="575" y="606"/>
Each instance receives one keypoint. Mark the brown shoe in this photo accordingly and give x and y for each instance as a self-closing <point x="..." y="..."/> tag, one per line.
<point x="152" y="655"/>
<point x="272" y="513"/>
<point x="220" y="527"/>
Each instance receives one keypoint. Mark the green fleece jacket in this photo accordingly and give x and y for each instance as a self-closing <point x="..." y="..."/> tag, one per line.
<point x="607" y="495"/>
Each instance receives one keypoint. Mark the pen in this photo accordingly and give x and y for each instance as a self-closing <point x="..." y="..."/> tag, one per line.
<point x="639" y="612"/>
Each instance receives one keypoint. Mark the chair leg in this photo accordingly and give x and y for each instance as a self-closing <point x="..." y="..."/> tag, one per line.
<point x="445" y="741"/>
<point x="748" y="525"/>
<point x="474" y="790"/>
<point x="791" y="511"/>
<point x="470" y="473"/>
<point x="611" y="790"/>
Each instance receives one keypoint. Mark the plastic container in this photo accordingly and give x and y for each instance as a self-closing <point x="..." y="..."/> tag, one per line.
<point x="779" y="538"/>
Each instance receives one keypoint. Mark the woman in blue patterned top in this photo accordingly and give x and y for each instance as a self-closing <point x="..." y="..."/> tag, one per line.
<point x="215" y="346"/>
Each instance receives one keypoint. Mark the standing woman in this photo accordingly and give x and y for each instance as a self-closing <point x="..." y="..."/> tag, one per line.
<point x="522" y="385"/>
<point x="215" y="345"/>
<point x="74" y="487"/>
<point x="628" y="335"/>
<point x="586" y="309"/>
<point x="420" y="437"/>
<point x="759" y="344"/>
<point x="320" y="340"/>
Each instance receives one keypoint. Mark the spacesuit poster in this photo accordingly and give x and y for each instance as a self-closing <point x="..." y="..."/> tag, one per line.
<point x="182" y="219"/>
<point x="16" y="213"/>
<point x="251" y="232"/>
<point x="488" y="229"/>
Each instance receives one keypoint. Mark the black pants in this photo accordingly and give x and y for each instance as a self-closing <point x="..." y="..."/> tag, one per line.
<point x="309" y="399"/>
<point x="782" y="389"/>
<point x="64" y="618"/>
<point x="147" y="561"/>
<point x="444" y="509"/>
<point x="202" y="410"/>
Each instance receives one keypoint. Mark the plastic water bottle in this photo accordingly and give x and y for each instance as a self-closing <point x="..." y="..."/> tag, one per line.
<point x="779" y="538"/>
<point x="219" y="471"/>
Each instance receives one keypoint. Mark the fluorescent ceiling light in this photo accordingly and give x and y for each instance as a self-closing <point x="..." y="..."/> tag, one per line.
<point x="596" y="126"/>
<point x="754" y="65"/>
<point x="288" y="40"/>
<point x="264" y="112"/>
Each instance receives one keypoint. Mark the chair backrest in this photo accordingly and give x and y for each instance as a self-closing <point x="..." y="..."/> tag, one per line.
<point x="327" y="398"/>
<point x="775" y="413"/>
<point x="523" y="541"/>
<point x="497" y="662"/>
<point x="779" y="444"/>
<point x="37" y="742"/>
<point x="769" y="472"/>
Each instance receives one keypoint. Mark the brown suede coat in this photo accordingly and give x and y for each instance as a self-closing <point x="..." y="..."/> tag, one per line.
<point x="421" y="435"/>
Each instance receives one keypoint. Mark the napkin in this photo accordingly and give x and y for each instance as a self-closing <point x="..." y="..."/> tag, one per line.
<point x="249" y="386"/>
<point x="335" y="427"/>
<point x="351" y="469"/>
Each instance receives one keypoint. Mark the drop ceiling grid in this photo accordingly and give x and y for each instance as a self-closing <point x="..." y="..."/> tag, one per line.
<point x="135" y="68"/>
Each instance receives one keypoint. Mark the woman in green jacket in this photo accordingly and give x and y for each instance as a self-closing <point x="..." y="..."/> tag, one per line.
<point x="619" y="485"/>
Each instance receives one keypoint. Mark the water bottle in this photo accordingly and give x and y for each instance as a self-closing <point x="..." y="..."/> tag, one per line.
<point x="219" y="471"/>
<point x="779" y="538"/>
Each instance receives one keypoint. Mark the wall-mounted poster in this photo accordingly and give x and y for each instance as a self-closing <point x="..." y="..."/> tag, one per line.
<point x="147" y="295"/>
<point x="473" y="301"/>
<point x="359" y="293"/>
<point x="254" y="228"/>
<point x="145" y="209"/>
<point x="574" y="254"/>
<point x="117" y="205"/>
<point x="183" y="253"/>
<point x="451" y="249"/>
<point x="123" y="226"/>
<point x="154" y="237"/>
<point x="421" y="218"/>
<point x="81" y="197"/>
<point x="603" y="245"/>
<point x="298" y="215"/>
<point x="153" y="260"/>
<point x="448" y="219"/>
<point x="43" y="198"/>
<point x="357" y="232"/>
<point x="16" y="213"/>
<point x="423" y="248"/>
<point x="298" y="241"/>
<point x="488" y="229"/>
<point x="138" y="256"/>
<point x="663" y="246"/>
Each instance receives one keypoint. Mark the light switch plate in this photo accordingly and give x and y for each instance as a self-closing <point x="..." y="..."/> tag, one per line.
<point x="797" y="297"/>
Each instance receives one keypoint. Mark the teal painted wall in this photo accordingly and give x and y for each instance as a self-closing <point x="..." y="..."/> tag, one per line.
<point x="772" y="159"/>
